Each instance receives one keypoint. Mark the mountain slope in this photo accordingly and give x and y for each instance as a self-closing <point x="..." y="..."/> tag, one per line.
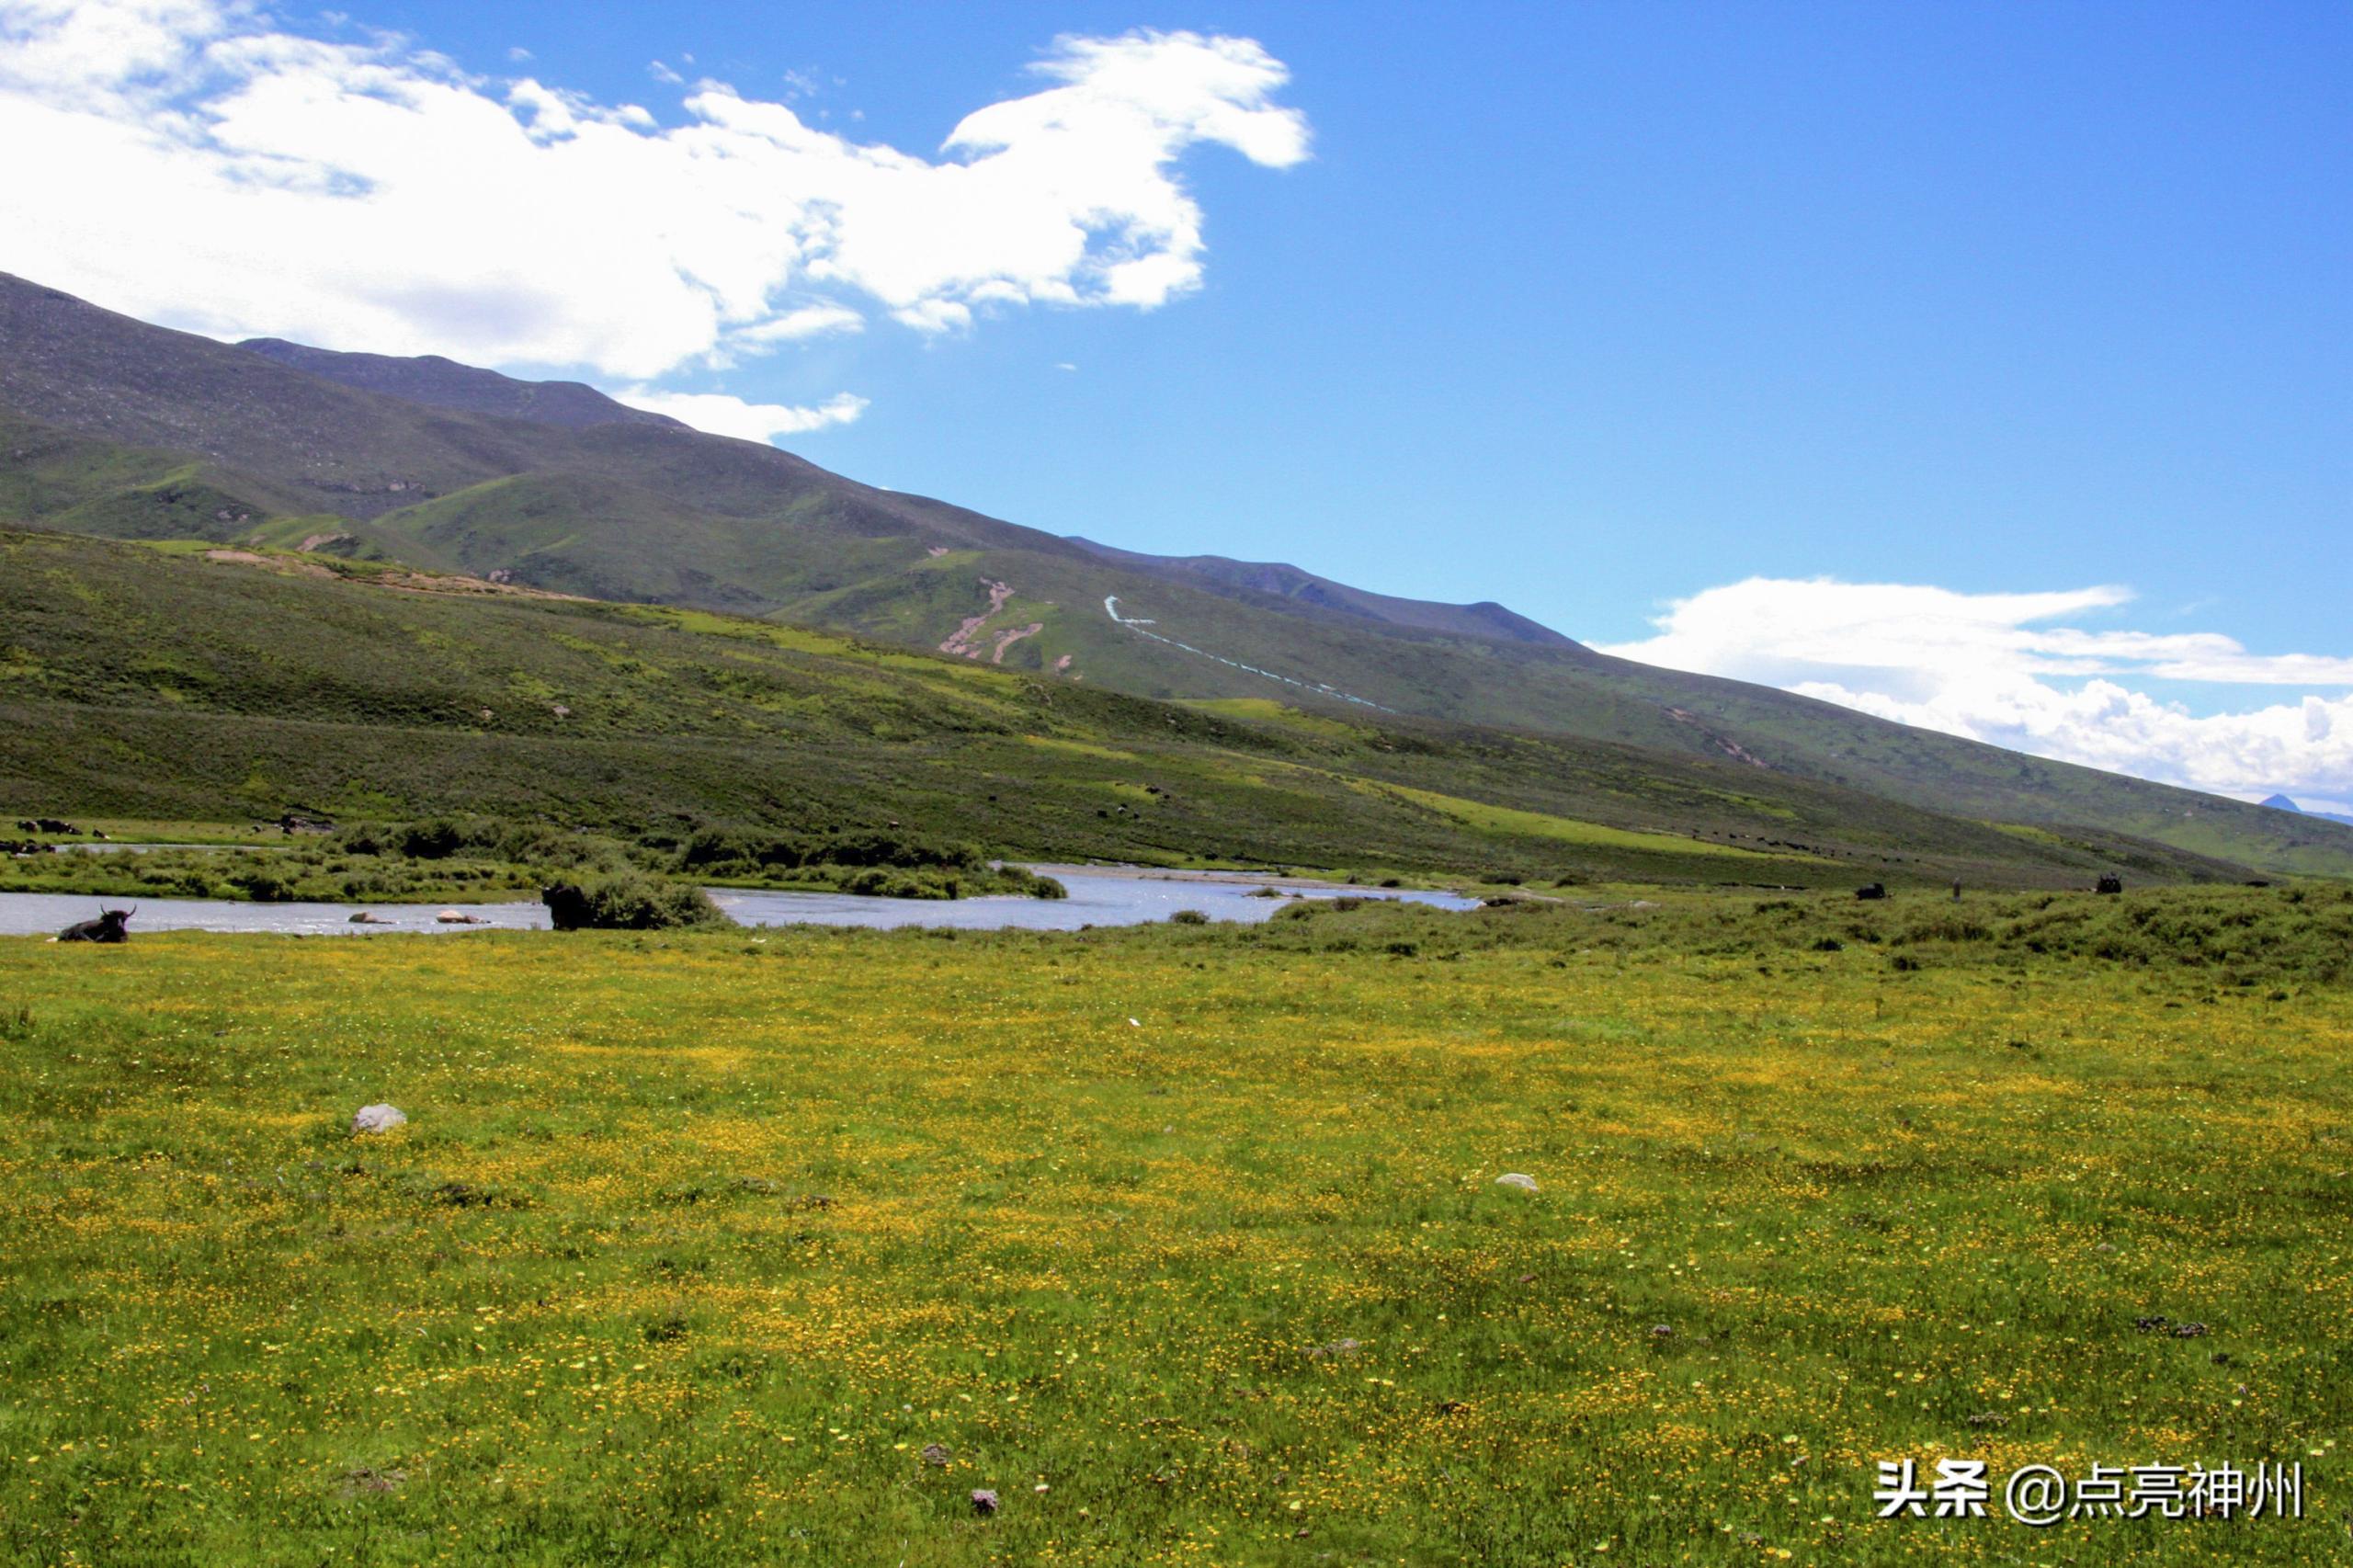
<point x="187" y="681"/>
<point x="325" y="433"/>
<point x="444" y="383"/>
<point x="163" y="433"/>
<point x="1305" y="591"/>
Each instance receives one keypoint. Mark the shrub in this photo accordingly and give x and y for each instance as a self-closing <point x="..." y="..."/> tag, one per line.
<point x="262" y="885"/>
<point x="432" y="840"/>
<point x="1021" y="880"/>
<point x="627" y="901"/>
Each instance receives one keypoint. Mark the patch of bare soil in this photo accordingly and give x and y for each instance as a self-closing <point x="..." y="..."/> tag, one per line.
<point x="1008" y="639"/>
<point x="961" y="641"/>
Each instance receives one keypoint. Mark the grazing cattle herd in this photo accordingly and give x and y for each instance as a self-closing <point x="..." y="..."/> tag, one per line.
<point x="55" y="827"/>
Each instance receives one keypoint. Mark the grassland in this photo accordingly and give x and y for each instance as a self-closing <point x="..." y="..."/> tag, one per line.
<point x="695" y="1245"/>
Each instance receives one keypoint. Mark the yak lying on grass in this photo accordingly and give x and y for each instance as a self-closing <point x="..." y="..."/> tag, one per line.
<point x="106" y="927"/>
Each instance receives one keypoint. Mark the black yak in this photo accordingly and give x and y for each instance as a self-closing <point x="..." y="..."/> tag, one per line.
<point x="106" y="927"/>
<point x="2110" y="883"/>
<point x="1872" y="890"/>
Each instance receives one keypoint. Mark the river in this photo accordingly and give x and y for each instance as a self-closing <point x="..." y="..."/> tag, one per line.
<point x="1098" y="896"/>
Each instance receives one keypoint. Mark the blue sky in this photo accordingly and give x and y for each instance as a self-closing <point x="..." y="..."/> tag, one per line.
<point x="1617" y="313"/>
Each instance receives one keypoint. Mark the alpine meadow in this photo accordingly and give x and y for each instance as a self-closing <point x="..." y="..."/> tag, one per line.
<point x="577" y="986"/>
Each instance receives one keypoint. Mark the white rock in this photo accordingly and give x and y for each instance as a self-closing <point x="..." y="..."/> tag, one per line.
<point x="377" y="1119"/>
<point x="1514" y="1179"/>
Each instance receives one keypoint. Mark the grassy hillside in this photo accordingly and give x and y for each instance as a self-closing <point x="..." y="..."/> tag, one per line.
<point x="130" y="431"/>
<point x="158" y="681"/>
<point x="709" y="1250"/>
<point x="1571" y="691"/>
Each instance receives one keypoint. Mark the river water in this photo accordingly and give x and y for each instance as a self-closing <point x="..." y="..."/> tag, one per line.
<point x="1098" y="896"/>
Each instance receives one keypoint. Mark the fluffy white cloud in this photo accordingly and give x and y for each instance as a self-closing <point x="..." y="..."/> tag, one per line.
<point x="196" y="161"/>
<point x="1993" y="668"/>
<point x="809" y="321"/>
<point x="722" y="414"/>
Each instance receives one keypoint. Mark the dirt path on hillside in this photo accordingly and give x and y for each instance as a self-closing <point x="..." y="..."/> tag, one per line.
<point x="1112" y="608"/>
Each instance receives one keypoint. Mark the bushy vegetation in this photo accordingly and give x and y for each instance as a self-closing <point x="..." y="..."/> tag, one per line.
<point x="627" y="901"/>
<point x="880" y="863"/>
<point x="438" y="858"/>
<point x="706" y="1248"/>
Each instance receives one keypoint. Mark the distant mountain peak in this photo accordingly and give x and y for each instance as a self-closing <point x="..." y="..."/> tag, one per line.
<point x="2283" y="803"/>
<point x="439" y="383"/>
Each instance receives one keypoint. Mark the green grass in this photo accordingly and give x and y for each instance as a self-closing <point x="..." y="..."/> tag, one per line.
<point x="694" y="1243"/>
<point x="1537" y="824"/>
<point x="1267" y="709"/>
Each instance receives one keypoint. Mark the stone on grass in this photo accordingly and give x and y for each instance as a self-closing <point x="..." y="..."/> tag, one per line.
<point x="1514" y="1178"/>
<point x="984" y="1502"/>
<point x="377" y="1119"/>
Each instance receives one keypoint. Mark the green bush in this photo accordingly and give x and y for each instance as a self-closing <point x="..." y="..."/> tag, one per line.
<point x="433" y="840"/>
<point x="1021" y="880"/>
<point x="262" y="884"/>
<point x="626" y="900"/>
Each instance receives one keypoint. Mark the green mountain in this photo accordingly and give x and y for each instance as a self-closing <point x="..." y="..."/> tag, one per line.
<point x="114" y="427"/>
<point x="194" y="681"/>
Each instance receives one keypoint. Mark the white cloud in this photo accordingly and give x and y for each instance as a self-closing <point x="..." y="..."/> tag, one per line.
<point x="809" y="321"/>
<point x="201" y="164"/>
<point x="722" y="415"/>
<point x="1993" y="668"/>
